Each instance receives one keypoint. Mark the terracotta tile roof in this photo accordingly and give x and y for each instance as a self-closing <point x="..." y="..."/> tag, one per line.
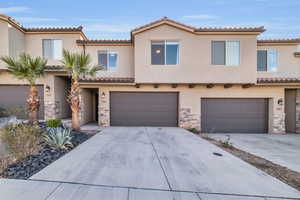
<point x="164" y="19"/>
<point x="278" y="80"/>
<point x="201" y="29"/>
<point x="231" y="29"/>
<point x="55" y="29"/>
<point x="104" y="42"/>
<point x="107" y="80"/>
<point x="292" y="40"/>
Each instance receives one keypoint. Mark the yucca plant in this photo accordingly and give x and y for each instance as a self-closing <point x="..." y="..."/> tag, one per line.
<point x="59" y="138"/>
<point x="77" y="65"/>
<point x="28" y="68"/>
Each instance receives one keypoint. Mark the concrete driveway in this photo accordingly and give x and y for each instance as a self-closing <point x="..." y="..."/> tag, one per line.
<point x="283" y="150"/>
<point x="157" y="161"/>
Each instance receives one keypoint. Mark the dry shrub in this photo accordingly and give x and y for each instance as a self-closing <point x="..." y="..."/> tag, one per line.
<point x="21" y="140"/>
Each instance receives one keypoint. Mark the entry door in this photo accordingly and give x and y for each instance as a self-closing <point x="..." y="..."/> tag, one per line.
<point x="290" y="110"/>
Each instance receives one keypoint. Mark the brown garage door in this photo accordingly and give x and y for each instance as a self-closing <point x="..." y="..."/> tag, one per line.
<point x="234" y="115"/>
<point x="143" y="109"/>
<point x="13" y="98"/>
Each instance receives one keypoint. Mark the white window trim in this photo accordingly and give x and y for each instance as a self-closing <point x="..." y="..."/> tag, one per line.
<point x="165" y="51"/>
<point x="110" y="52"/>
<point x="225" y="52"/>
<point x="62" y="44"/>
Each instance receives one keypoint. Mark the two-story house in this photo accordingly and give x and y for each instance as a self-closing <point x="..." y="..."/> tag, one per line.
<point x="167" y="74"/>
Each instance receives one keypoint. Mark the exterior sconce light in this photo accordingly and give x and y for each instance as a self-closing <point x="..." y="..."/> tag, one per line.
<point x="280" y="101"/>
<point x="103" y="94"/>
<point x="47" y="88"/>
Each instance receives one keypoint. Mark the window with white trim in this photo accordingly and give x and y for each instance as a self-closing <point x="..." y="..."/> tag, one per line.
<point x="52" y="49"/>
<point x="164" y="52"/>
<point x="108" y="60"/>
<point x="267" y="60"/>
<point x="226" y="53"/>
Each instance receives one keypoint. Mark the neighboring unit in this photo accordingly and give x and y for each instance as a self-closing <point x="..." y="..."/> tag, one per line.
<point x="168" y="74"/>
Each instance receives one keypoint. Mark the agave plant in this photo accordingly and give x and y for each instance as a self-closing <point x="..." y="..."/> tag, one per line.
<point x="59" y="138"/>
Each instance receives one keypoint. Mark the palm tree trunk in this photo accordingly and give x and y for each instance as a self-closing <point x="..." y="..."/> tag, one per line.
<point x="33" y="104"/>
<point x="74" y="101"/>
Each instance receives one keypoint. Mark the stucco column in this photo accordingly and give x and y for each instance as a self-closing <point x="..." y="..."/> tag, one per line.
<point x="104" y="118"/>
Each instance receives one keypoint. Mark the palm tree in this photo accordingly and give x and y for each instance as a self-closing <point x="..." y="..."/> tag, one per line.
<point x="29" y="69"/>
<point x="77" y="65"/>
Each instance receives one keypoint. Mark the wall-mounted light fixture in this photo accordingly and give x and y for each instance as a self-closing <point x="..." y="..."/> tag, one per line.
<point x="103" y="94"/>
<point x="280" y="102"/>
<point x="47" y="88"/>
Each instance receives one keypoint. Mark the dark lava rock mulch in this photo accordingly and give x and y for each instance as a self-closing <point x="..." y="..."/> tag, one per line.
<point x="35" y="163"/>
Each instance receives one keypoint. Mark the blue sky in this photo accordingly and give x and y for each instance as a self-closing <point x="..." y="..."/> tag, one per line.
<point x="114" y="19"/>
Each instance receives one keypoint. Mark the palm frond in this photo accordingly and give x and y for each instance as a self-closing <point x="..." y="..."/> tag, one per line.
<point x="26" y="67"/>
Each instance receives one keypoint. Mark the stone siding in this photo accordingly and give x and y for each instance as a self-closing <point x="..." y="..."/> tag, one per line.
<point x="104" y="117"/>
<point x="298" y="111"/>
<point x="188" y="120"/>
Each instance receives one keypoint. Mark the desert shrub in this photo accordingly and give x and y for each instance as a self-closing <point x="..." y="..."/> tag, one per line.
<point x="194" y="130"/>
<point x="3" y="112"/>
<point x="59" y="138"/>
<point x="226" y="143"/>
<point x="21" y="140"/>
<point x="53" y="123"/>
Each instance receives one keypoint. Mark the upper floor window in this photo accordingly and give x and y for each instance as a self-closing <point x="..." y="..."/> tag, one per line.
<point x="108" y="60"/>
<point x="226" y="53"/>
<point x="164" y="52"/>
<point x="267" y="60"/>
<point x="52" y="49"/>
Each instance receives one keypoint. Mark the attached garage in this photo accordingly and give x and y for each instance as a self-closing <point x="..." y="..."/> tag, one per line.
<point x="14" y="97"/>
<point x="144" y="109"/>
<point x="234" y="115"/>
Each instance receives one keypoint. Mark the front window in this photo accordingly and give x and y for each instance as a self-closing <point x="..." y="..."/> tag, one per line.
<point x="267" y="60"/>
<point x="164" y="52"/>
<point x="226" y="53"/>
<point x="52" y="49"/>
<point x="108" y="60"/>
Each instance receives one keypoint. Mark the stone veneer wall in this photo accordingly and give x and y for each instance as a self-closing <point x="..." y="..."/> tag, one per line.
<point x="298" y="111"/>
<point x="104" y="118"/>
<point x="278" y="124"/>
<point x="188" y="120"/>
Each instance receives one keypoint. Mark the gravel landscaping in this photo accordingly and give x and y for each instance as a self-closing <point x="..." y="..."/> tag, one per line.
<point x="34" y="163"/>
<point x="284" y="174"/>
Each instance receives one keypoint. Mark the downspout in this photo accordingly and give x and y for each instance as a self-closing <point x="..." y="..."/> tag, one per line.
<point x="83" y="45"/>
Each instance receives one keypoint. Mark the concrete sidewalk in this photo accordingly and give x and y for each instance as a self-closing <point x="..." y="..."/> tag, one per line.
<point x="41" y="190"/>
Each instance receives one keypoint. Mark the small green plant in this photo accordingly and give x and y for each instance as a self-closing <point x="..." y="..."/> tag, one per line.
<point x="194" y="130"/>
<point x="3" y="112"/>
<point x="53" y="123"/>
<point x="21" y="140"/>
<point x="59" y="138"/>
<point x="226" y="143"/>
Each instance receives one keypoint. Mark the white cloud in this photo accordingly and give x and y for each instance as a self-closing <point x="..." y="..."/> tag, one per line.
<point x="14" y="9"/>
<point x="200" y="17"/>
<point x="36" y="19"/>
<point x="120" y="28"/>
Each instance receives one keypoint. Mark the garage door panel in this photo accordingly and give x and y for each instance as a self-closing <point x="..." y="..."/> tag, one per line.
<point x="143" y="109"/>
<point x="234" y="115"/>
<point x="14" y="97"/>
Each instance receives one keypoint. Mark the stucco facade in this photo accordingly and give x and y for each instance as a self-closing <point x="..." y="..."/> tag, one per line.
<point x="193" y="78"/>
